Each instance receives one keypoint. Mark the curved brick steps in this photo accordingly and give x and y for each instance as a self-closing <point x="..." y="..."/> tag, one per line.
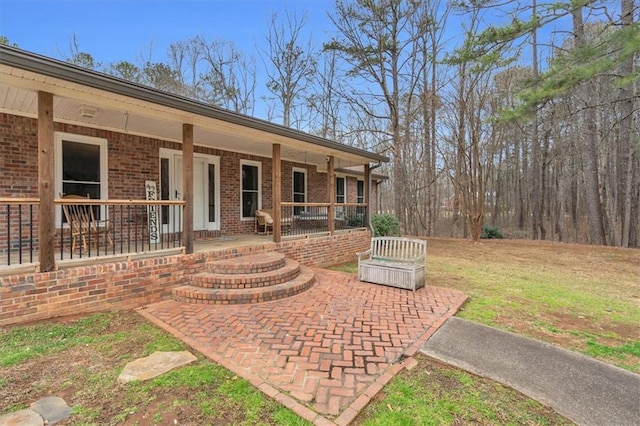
<point x="251" y="264"/>
<point x="195" y="294"/>
<point x="246" y="279"/>
<point x="243" y="280"/>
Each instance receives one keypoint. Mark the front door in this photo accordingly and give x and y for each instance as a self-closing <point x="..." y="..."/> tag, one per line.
<point x="206" y="192"/>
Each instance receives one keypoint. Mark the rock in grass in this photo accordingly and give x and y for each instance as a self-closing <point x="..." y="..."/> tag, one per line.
<point x="154" y="365"/>
<point x="22" y="418"/>
<point x="53" y="409"/>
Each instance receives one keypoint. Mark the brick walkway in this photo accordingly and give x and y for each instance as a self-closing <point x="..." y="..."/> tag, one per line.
<point x="323" y="353"/>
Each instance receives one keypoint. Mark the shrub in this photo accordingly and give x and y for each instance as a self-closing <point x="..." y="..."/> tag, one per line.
<point x="385" y="225"/>
<point x="489" y="232"/>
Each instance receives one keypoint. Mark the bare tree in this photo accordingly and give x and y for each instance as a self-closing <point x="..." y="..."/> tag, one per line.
<point x="78" y="57"/>
<point x="290" y="63"/>
<point x="325" y="103"/>
<point x="472" y="135"/>
<point x="230" y="76"/>
<point x="184" y="57"/>
<point x="377" y="41"/>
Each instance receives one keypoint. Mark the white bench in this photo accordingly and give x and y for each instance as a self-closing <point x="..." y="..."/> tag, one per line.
<point x="394" y="261"/>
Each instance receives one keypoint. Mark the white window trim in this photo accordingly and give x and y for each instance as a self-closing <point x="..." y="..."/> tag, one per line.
<point x="209" y="159"/>
<point x="295" y="170"/>
<point x="335" y="196"/>
<point x="104" y="166"/>
<point x="364" y="194"/>
<point x="215" y="160"/>
<point x="257" y="164"/>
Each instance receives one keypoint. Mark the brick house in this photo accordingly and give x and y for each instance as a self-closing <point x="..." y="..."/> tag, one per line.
<point x="67" y="130"/>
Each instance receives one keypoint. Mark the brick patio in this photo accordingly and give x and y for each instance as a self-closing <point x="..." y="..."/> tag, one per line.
<point x="323" y="353"/>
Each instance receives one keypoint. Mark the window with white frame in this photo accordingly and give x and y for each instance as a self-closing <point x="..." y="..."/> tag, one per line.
<point x="360" y="210"/>
<point x="341" y="189"/>
<point x="360" y="199"/>
<point x="81" y="167"/>
<point x="299" y="189"/>
<point x="251" y="184"/>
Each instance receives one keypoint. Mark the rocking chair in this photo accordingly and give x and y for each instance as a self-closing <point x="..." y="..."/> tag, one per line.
<point x="85" y="228"/>
<point x="264" y="222"/>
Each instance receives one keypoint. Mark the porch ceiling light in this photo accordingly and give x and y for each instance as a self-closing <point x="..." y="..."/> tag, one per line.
<point x="88" y="111"/>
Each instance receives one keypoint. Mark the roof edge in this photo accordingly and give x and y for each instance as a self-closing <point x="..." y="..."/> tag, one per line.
<point x="33" y="62"/>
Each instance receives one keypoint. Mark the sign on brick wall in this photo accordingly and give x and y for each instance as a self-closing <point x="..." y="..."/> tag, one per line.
<point x="152" y="212"/>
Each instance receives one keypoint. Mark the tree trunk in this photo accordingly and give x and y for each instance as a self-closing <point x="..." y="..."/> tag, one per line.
<point x="536" y="195"/>
<point x="545" y="205"/>
<point x="626" y="166"/>
<point x="589" y="149"/>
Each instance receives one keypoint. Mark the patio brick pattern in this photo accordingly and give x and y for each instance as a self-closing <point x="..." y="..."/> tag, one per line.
<point x="323" y="353"/>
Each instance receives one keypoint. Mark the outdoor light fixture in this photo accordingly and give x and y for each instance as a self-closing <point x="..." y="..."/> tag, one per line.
<point x="88" y="111"/>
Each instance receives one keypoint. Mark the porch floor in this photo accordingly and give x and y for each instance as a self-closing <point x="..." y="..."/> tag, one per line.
<point x="231" y="241"/>
<point x="323" y="353"/>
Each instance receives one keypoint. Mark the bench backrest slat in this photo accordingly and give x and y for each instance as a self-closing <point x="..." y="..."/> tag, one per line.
<point x="398" y="248"/>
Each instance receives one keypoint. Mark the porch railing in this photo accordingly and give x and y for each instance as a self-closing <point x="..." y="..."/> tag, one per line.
<point x="18" y="230"/>
<point x="298" y="219"/>
<point x="122" y="227"/>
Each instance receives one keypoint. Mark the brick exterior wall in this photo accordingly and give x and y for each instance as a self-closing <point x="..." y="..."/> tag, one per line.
<point x="18" y="159"/>
<point x="134" y="283"/>
<point x="134" y="159"/>
<point x="352" y="189"/>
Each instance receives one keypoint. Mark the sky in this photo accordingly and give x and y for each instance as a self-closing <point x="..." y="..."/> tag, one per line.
<point x="115" y="30"/>
<point x="141" y="30"/>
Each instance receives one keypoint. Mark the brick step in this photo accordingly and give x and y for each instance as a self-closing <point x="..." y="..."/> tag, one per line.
<point x="217" y="296"/>
<point x="250" y="264"/>
<point x="289" y="270"/>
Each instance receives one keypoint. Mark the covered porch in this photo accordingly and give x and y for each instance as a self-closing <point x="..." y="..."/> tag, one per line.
<point x="163" y="173"/>
<point x="134" y="230"/>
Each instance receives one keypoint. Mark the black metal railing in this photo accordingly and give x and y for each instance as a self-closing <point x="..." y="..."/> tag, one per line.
<point x="90" y="228"/>
<point x="119" y="227"/>
<point x="350" y="216"/>
<point x="18" y="230"/>
<point x="298" y="219"/>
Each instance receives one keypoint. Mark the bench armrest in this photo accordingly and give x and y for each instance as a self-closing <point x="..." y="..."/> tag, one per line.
<point x="362" y="255"/>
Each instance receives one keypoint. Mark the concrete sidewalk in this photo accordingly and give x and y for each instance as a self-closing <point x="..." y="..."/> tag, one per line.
<point x="584" y="390"/>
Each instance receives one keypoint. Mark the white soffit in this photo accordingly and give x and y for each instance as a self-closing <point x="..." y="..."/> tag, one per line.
<point x="116" y="112"/>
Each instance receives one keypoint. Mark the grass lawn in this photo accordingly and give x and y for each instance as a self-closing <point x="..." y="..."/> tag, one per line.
<point x="582" y="298"/>
<point x="80" y="360"/>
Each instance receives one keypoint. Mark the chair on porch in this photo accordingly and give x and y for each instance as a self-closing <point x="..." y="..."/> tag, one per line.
<point x="85" y="228"/>
<point x="264" y="222"/>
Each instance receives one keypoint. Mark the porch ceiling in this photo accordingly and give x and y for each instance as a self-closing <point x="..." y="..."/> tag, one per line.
<point x="139" y="116"/>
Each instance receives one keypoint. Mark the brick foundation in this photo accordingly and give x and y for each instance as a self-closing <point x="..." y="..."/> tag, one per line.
<point x="135" y="283"/>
